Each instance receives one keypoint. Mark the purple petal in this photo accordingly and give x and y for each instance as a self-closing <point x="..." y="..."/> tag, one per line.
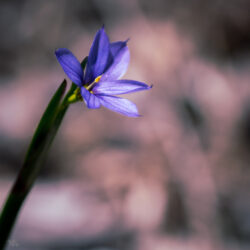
<point x="120" y="105"/>
<point x="91" y="100"/>
<point x="99" y="56"/>
<point x="117" y="46"/>
<point x="120" y="62"/>
<point x="118" y="87"/>
<point x="70" y="65"/>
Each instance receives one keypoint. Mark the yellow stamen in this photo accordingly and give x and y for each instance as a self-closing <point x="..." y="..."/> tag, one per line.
<point x="93" y="83"/>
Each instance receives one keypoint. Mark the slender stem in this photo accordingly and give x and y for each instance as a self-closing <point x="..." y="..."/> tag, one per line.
<point x="39" y="147"/>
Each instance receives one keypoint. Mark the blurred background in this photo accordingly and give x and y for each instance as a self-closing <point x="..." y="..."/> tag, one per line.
<point x="177" y="178"/>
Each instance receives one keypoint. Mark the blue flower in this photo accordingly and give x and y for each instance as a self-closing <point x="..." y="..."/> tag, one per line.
<point x="98" y="85"/>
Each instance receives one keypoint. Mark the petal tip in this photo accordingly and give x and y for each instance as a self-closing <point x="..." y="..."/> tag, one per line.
<point x="126" y="41"/>
<point x="56" y="52"/>
<point x="102" y="29"/>
<point x="137" y="116"/>
<point x="148" y="87"/>
<point x="134" y="115"/>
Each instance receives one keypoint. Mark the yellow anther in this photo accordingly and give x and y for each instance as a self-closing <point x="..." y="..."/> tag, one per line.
<point x="98" y="79"/>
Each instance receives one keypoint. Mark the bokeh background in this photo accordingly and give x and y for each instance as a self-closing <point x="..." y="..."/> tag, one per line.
<point x="177" y="178"/>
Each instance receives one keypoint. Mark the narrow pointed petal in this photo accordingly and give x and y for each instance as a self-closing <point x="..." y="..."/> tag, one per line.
<point x="70" y="65"/>
<point x="118" y="87"/>
<point x="120" y="64"/>
<point x="91" y="100"/>
<point x="99" y="56"/>
<point x="120" y="105"/>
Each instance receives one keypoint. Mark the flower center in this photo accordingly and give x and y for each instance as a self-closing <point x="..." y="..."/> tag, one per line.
<point x="90" y="86"/>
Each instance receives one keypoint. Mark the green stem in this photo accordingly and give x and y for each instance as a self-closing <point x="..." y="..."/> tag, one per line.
<point x="42" y="139"/>
<point x="39" y="146"/>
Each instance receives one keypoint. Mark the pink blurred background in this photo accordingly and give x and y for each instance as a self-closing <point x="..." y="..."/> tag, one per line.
<point x="176" y="178"/>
